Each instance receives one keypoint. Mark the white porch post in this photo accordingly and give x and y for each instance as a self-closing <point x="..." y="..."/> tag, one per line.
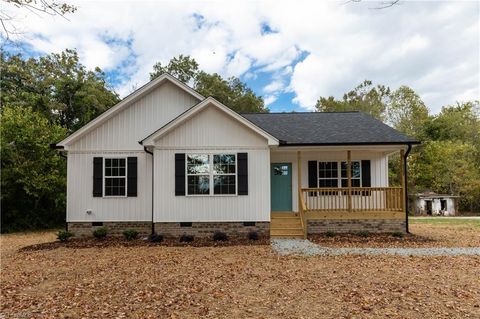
<point x="349" y="176"/>
<point x="299" y="179"/>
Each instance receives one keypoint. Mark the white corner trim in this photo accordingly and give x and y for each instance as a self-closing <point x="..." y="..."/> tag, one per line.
<point x="150" y="140"/>
<point x="125" y="102"/>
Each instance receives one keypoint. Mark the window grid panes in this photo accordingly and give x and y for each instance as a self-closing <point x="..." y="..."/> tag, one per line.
<point x="224" y="174"/>
<point x="355" y="173"/>
<point x="217" y="172"/>
<point x="328" y="174"/>
<point x="115" y="177"/>
<point x="198" y="174"/>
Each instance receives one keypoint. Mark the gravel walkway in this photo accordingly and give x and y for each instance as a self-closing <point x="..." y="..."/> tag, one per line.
<point x="305" y="247"/>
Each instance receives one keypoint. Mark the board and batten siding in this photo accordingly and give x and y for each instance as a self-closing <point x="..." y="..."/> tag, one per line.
<point x="138" y="120"/>
<point x="378" y="166"/>
<point x="212" y="132"/>
<point x="80" y="191"/>
<point x="211" y="127"/>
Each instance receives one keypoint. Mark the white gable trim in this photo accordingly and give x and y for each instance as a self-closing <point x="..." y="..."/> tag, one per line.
<point x="125" y="102"/>
<point x="149" y="141"/>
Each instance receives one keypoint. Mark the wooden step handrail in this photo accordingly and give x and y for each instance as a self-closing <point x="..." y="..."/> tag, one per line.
<point x="302" y="210"/>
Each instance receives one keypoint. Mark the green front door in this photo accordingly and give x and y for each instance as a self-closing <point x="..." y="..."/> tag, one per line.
<point x="281" y="179"/>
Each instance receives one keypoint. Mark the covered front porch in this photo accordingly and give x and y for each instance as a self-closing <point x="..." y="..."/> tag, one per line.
<point x="336" y="189"/>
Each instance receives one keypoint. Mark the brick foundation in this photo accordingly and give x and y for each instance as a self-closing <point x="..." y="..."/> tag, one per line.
<point x="317" y="226"/>
<point x="84" y="229"/>
<point x="207" y="229"/>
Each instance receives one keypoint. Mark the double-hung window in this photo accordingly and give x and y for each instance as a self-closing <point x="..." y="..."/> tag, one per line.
<point x="211" y="174"/>
<point x="355" y="174"/>
<point x="224" y="174"/>
<point x="198" y="174"/>
<point x="328" y="174"/>
<point x="115" y="177"/>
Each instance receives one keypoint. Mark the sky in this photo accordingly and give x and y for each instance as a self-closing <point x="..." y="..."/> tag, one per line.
<point x="288" y="52"/>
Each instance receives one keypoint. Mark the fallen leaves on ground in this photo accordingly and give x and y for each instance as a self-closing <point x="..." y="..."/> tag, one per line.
<point x="147" y="281"/>
<point x="421" y="236"/>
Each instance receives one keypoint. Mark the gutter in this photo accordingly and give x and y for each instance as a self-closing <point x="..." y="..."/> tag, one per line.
<point x="151" y="153"/>
<point x="286" y="144"/>
<point x="409" y="148"/>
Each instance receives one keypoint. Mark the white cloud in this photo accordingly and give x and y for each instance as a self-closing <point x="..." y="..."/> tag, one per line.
<point x="269" y="99"/>
<point x="430" y="46"/>
<point x="238" y="65"/>
<point x="274" y="86"/>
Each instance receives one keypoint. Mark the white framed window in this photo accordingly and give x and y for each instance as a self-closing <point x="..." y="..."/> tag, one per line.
<point x="115" y="177"/>
<point x="329" y="175"/>
<point x="211" y="174"/>
<point x="224" y="174"/>
<point x="198" y="174"/>
<point x="356" y="174"/>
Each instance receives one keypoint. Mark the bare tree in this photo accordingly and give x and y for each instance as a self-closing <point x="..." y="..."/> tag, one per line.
<point x="387" y="4"/>
<point x="38" y="7"/>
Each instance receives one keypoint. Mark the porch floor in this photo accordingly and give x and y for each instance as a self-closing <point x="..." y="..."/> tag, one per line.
<point x="285" y="225"/>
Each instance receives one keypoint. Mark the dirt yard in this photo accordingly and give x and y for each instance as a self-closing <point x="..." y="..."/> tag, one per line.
<point x="235" y="282"/>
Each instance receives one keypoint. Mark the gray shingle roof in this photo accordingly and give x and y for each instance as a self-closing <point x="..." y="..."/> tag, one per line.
<point x="324" y="128"/>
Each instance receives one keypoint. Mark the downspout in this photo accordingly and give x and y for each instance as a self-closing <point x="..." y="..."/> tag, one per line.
<point x="409" y="148"/>
<point x="151" y="153"/>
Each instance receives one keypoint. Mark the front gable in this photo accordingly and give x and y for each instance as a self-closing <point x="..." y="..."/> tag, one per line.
<point x="209" y="124"/>
<point x="211" y="127"/>
<point x="139" y="114"/>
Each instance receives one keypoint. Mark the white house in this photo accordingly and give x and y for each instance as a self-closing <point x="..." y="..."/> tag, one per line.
<point x="168" y="160"/>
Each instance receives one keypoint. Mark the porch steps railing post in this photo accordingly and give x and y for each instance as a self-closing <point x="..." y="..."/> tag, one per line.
<point x="349" y="176"/>
<point x="301" y="204"/>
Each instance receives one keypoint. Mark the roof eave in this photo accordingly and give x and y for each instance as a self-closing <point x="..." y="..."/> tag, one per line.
<point x="286" y="144"/>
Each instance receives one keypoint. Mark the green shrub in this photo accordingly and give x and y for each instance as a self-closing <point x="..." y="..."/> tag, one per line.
<point x="64" y="235"/>
<point x="398" y="234"/>
<point x="253" y="235"/>
<point x="330" y="233"/>
<point x="220" y="236"/>
<point x="155" y="238"/>
<point x="363" y="233"/>
<point x="186" y="238"/>
<point x="130" y="234"/>
<point x="100" y="233"/>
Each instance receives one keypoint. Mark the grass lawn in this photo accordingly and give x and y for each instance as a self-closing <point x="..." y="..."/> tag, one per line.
<point x="235" y="282"/>
<point x="446" y="221"/>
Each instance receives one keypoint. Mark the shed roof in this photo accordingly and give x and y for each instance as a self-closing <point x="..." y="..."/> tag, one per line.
<point x="328" y="128"/>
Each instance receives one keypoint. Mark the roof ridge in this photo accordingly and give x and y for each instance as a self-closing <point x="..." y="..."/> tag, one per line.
<point x="311" y="112"/>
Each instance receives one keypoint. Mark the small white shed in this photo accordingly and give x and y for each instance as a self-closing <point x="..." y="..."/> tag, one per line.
<point x="431" y="203"/>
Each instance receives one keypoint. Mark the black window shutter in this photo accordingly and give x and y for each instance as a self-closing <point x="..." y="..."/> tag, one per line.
<point x="97" y="176"/>
<point x="366" y="175"/>
<point x="242" y="165"/>
<point x="132" y="177"/>
<point x="180" y="174"/>
<point x="312" y="174"/>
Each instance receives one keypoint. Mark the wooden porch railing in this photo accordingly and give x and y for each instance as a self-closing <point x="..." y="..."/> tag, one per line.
<point x="352" y="199"/>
